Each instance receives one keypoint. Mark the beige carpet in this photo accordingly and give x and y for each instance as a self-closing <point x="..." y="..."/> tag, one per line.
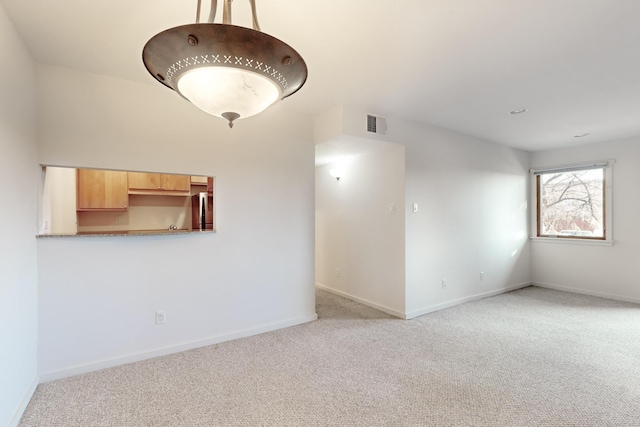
<point x="533" y="357"/>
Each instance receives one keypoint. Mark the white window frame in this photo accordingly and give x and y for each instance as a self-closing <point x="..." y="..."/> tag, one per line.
<point x="608" y="203"/>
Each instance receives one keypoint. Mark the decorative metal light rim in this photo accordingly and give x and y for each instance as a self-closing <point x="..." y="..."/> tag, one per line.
<point x="171" y="53"/>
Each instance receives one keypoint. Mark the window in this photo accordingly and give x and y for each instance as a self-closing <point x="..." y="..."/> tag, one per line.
<point x="573" y="202"/>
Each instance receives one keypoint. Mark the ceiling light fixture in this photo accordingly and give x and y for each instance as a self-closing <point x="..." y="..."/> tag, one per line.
<point x="225" y="70"/>
<point x="520" y="111"/>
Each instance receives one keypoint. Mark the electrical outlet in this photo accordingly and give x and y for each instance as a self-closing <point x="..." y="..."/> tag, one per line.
<point x="415" y="207"/>
<point x="161" y="317"/>
<point x="392" y="208"/>
<point x="444" y="283"/>
<point x="119" y="219"/>
<point x="481" y="276"/>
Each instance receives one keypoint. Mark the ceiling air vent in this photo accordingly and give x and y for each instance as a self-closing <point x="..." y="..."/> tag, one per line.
<point x="376" y="125"/>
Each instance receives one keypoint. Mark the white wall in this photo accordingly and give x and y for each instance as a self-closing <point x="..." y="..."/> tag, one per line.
<point x="59" y="201"/>
<point x="607" y="271"/>
<point x="472" y="217"/>
<point x="356" y="233"/>
<point x="18" y="273"/>
<point x="98" y="295"/>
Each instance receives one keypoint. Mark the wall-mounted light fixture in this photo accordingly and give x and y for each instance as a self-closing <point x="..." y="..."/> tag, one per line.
<point x="225" y="70"/>
<point x="336" y="173"/>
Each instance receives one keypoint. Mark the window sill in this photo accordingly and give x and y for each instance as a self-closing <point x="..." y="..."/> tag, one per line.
<point x="572" y="241"/>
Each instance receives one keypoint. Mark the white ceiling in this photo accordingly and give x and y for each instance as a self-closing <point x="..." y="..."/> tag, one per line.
<point x="460" y="64"/>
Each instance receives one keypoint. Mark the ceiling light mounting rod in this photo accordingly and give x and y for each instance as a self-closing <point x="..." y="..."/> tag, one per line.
<point x="256" y="26"/>
<point x="226" y="70"/>
<point x="212" y="11"/>
<point x="226" y="12"/>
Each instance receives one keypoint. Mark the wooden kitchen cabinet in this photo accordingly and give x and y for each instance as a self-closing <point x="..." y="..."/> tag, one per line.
<point x="176" y="182"/>
<point x="144" y="181"/>
<point x="101" y="190"/>
<point x="159" y="184"/>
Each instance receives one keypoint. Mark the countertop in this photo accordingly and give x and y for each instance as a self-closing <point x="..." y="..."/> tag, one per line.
<point x="126" y="233"/>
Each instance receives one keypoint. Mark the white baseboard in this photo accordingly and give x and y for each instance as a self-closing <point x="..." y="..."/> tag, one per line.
<point x="26" y="398"/>
<point x="424" y="310"/>
<point x="362" y="301"/>
<point x="587" y="292"/>
<point x="164" y="351"/>
<point x="448" y="304"/>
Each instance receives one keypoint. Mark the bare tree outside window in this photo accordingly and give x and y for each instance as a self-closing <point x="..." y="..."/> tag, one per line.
<point x="571" y="204"/>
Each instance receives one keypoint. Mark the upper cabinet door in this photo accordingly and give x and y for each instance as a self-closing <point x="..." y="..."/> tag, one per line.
<point x="101" y="190"/>
<point x="144" y="181"/>
<point x="159" y="184"/>
<point x="176" y="182"/>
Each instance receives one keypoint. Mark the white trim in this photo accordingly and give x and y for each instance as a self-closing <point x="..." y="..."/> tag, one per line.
<point x="26" y="398"/>
<point x="368" y="303"/>
<point x="587" y="292"/>
<point x="449" y="304"/>
<point x="425" y="310"/>
<point x="570" y="241"/>
<point x="573" y="167"/>
<point x="164" y="351"/>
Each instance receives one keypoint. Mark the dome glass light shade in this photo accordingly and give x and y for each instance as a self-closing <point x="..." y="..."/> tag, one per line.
<point x="220" y="90"/>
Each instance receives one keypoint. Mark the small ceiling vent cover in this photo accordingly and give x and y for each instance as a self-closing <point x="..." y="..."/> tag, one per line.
<point x="376" y="125"/>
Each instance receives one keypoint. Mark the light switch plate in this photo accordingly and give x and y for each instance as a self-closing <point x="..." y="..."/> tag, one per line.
<point x="161" y="317"/>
